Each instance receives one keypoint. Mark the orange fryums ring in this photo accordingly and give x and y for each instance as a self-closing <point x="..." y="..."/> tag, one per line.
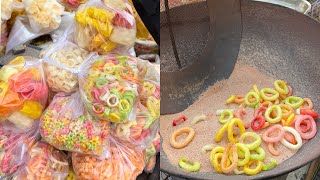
<point x="239" y="99"/>
<point x="224" y="167"/>
<point x="179" y="145"/>
<point x="286" y="110"/>
<point x="272" y="150"/>
<point x="267" y="104"/>
<point x="308" y="102"/>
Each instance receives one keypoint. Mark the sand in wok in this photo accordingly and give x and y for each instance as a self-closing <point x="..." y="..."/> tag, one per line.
<point x="239" y="83"/>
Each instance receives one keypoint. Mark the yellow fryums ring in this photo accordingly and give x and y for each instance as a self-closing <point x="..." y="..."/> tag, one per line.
<point x="254" y="171"/>
<point x="254" y="144"/>
<point x="281" y="87"/>
<point x="188" y="165"/>
<point x="221" y="132"/>
<point x="231" y="124"/>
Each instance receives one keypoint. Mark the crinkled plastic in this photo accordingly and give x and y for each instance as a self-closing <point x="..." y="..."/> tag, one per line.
<point x="149" y="88"/>
<point x="108" y="85"/>
<point x="142" y="130"/>
<point x="44" y="15"/>
<point x="14" y="146"/>
<point x="6" y="9"/>
<point x="142" y="31"/>
<point x="103" y="28"/>
<point x="43" y="162"/>
<point x="125" y="163"/>
<point x="61" y="63"/>
<point x="21" y="32"/>
<point x="66" y="20"/>
<point x="18" y="10"/>
<point x="24" y="92"/>
<point x="66" y="125"/>
<point x="151" y="154"/>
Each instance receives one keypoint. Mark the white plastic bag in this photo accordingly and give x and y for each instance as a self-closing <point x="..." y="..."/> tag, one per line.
<point x="44" y="15"/>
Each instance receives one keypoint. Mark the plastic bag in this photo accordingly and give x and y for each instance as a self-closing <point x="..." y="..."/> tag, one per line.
<point x="108" y="85"/>
<point x="24" y="91"/>
<point x="102" y="28"/>
<point x="125" y="163"/>
<point x="66" y="20"/>
<point x="67" y="126"/>
<point x="151" y="154"/>
<point x="142" y="130"/>
<point x="142" y="31"/>
<point x="6" y="9"/>
<point x="43" y="162"/>
<point x="14" y="145"/>
<point x="44" y="15"/>
<point x="18" y="10"/>
<point x="21" y="32"/>
<point x="61" y="62"/>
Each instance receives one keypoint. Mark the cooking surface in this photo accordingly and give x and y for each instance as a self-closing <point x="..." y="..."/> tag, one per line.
<point x="284" y="43"/>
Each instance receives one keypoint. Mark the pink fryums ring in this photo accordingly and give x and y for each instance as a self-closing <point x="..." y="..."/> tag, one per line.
<point x="305" y="135"/>
<point x="271" y="130"/>
<point x="98" y="108"/>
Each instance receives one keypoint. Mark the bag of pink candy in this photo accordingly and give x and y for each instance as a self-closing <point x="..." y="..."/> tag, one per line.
<point x="14" y="146"/>
<point x="23" y="91"/>
<point x="66" y="125"/>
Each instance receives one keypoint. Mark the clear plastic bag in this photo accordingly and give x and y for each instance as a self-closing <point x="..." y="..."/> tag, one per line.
<point x="14" y="146"/>
<point x="43" y="162"/>
<point x="61" y="63"/>
<point x="151" y="154"/>
<point x="66" y="125"/>
<point x="44" y="15"/>
<point x="104" y="28"/>
<point x="24" y="91"/>
<point x="142" y="130"/>
<point x="21" y="32"/>
<point x="6" y="9"/>
<point x="125" y="163"/>
<point x="108" y="85"/>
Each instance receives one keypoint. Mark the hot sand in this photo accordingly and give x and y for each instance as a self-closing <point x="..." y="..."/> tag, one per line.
<point x="240" y="82"/>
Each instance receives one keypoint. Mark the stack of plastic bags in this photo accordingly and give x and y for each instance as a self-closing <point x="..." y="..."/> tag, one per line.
<point x="103" y="109"/>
